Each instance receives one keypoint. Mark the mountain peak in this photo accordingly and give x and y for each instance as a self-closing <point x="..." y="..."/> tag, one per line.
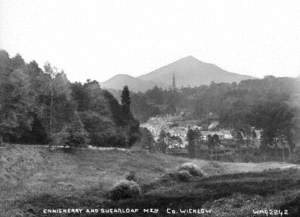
<point x="189" y="58"/>
<point x="121" y="76"/>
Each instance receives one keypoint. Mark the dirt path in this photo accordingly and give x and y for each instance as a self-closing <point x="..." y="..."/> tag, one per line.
<point x="220" y="168"/>
<point x="257" y="167"/>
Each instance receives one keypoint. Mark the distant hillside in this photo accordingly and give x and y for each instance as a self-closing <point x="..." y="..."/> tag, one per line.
<point x="135" y="84"/>
<point x="188" y="71"/>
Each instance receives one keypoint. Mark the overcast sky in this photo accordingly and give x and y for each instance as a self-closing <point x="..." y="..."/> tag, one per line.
<point x="97" y="39"/>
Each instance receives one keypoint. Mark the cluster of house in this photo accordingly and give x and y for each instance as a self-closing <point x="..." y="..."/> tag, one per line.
<point x="176" y="131"/>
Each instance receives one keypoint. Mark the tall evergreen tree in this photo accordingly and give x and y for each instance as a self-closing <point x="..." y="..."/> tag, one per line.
<point x="125" y="100"/>
<point x="191" y="136"/>
<point x="161" y="141"/>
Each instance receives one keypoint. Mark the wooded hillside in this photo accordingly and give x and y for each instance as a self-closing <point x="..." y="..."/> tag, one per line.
<point x="42" y="106"/>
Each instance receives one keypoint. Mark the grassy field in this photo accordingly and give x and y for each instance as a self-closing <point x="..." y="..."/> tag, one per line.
<point x="33" y="178"/>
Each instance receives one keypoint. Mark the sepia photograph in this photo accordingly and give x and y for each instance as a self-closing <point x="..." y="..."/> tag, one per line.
<point x="138" y="108"/>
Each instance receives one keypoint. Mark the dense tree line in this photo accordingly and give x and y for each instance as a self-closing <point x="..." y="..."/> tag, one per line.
<point x="269" y="104"/>
<point x="42" y="106"/>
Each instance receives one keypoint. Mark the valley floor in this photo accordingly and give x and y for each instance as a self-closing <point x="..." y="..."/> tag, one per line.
<point x="33" y="178"/>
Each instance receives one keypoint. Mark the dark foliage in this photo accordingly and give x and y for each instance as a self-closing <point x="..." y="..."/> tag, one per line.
<point x="125" y="190"/>
<point x="268" y="104"/>
<point x="42" y="106"/>
<point x="125" y="100"/>
<point x="192" y="137"/>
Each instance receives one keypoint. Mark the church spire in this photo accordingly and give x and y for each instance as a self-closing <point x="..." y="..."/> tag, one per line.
<point x="173" y="82"/>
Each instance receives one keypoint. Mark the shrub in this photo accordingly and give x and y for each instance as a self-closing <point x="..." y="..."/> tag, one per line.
<point x="213" y="168"/>
<point x="124" y="190"/>
<point x="170" y="176"/>
<point x="59" y="139"/>
<point x="146" y="140"/>
<point x="101" y="129"/>
<point x="131" y="176"/>
<point x="295" y="157"/>
<point x="192" y="168"/>
<point x="184" y="175"/>
<point x="181" y="176"/>
<point x="70" y="138"/>
<point x="72" y="135"/>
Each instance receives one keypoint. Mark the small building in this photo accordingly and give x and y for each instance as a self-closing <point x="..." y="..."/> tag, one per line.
<point x="223" y="134"/>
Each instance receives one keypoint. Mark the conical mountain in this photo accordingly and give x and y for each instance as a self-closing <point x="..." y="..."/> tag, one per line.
<point x="188" y="72"/>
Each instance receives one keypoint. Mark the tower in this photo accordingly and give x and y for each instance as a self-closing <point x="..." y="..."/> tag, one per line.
<point x="173" y="82"/>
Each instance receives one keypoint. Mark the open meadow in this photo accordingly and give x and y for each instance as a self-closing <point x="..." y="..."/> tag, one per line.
<point x="34" y="178"/>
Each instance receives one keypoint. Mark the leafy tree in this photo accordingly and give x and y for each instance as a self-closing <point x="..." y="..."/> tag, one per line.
<point x="17" y="62"/>
<point x="116" y="109"/>
<point x="155" y="95"/>
<point x="15" y="103"/>
<point x="57" y="109"/>
<point x="143" y="109"/>
<point x="275" y="118"/>
<point x="40" y="105"/>
<point x="215" y="139"/>
<point x="81" y="96"/>
<point x="100" y="128"/>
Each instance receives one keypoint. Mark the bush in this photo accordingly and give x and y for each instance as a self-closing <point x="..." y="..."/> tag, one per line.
<point x="181" y="176"/>
<point x="184" y="175"/>
<point x="72" y="135"/>
<point x="101" y="129"/>
<point x="295" y="156"/>
<point x="213" y="168"/>
<point x="146" y="140"/>
<point x="124" y="190"/>
<point x="131" y="176"/>
<point x="192" y="168"/>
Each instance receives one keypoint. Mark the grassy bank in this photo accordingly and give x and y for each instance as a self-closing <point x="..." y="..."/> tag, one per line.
<point x="32" y="178"/>
<point x="226" y="195"/>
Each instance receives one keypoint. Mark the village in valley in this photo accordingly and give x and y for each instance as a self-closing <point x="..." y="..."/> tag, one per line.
<point x="174" y="130"/>
<point x="170" y="134"/>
